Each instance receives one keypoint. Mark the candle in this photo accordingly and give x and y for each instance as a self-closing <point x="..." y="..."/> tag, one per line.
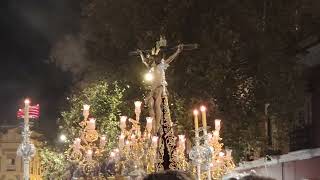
<point x="149" y="124"/>
<point x="123" y="120"/>
<point x="137" y="105"/>
<point x="103" y="141"/>
<point x="92" y="124"/>
<point x="86" y="108"/>
<point x="154" y="141"/>
<point x="204" y="119"/>
<point x="121" y="141"/>
<point x="196" y="126"/>
<point x="89" y="155"/>
<point x="217" y="125"/>
<point x="137" y="110"/>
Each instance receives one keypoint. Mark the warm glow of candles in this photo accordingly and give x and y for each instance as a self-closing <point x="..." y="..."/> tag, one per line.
<point x="204" y="119"/>
<point x="196" y="124"/>
<point x="217" y="124"/>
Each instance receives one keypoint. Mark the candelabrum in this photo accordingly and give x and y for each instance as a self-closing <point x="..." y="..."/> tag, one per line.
<point x="209" y="159"/>
<point x="86" y="151"/>
<point x="137" y="151"/>
<point x="26" y="149"/>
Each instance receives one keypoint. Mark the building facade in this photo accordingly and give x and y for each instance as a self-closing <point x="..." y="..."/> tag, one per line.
<point x="11" y="166"/>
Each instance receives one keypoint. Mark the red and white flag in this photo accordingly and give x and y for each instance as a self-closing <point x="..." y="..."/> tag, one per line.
<point x="34" y="112"/>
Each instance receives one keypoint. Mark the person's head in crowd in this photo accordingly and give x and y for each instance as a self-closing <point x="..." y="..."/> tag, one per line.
<point x="255" y="177"/>
<point x="170" y="175"/>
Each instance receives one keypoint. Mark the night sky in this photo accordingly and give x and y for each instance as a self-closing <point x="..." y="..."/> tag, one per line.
<point x="28" y="29"/>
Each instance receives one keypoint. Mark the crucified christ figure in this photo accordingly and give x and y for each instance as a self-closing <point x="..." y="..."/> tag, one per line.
<point x="157" y="64"/>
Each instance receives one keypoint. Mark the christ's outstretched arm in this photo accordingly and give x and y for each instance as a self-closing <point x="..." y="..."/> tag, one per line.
<point x="173" y="56"/>
<point x="143" y="58"/>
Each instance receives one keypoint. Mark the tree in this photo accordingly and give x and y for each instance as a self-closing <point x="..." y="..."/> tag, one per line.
<point x="105" y="100"/>
<point x="54" y="163"/>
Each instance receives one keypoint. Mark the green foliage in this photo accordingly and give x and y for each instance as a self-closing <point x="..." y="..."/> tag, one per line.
<point x="53" y="163"/>
<point x="105" y="100"/>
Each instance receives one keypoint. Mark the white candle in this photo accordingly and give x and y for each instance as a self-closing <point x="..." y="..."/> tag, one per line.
<point x="204" y="119"/>
<point x="137" y="105"/>
<point x="89" y="155"/>
<point x="154" y="141"/>
<point x="196" y="125"/>
<point x="86" y="108"/>
<point x="92" y="124"/>
<point x="149" y="124"/>
<point x="137" y="110"/>
<point x="123" y="120"/>
<point x="217" y="124"/>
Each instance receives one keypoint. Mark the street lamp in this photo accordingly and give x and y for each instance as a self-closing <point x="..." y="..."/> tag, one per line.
<point x="26" y="149"/>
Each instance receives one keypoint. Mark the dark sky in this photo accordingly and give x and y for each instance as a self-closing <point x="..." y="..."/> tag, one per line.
<point x="28" y="29"/>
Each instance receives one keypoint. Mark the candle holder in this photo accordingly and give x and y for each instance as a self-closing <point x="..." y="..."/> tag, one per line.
<point x="209" y="157"/>
<point x="137" y="155"/>
<point x="86" y="151"/>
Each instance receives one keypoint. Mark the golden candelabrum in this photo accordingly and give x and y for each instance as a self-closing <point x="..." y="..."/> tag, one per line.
<point x="88" y="149"/>
<point x="209" y="158"/>
<point x="137" y="151"/>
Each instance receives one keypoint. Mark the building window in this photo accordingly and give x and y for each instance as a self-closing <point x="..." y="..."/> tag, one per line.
<point x="11" y="164"/>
